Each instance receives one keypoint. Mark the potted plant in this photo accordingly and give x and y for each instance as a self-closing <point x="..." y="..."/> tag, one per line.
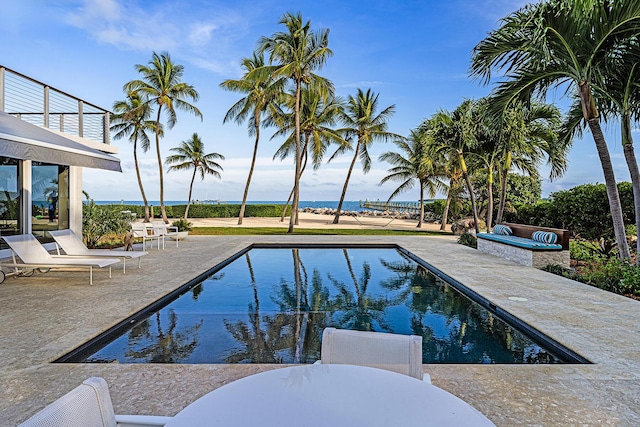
<point x="183" y="227"/>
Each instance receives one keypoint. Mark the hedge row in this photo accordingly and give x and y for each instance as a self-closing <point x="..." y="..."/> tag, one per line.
<point x="208" y="211"/>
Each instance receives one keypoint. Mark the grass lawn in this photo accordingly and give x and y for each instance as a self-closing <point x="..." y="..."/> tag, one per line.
<point x="236" y="231"/>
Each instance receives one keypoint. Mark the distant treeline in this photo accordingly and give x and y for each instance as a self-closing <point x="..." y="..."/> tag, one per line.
<point x="207" y="211"/>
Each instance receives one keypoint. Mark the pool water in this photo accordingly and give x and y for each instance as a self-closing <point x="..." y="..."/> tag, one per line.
<point x="271" y="306"/>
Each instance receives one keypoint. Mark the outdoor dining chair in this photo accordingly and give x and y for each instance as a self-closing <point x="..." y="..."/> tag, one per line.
<point x="161" y="229"/>
<point x="397" y="353"/>
<point x="89" y="405"/>
<point x="140" y="230"/>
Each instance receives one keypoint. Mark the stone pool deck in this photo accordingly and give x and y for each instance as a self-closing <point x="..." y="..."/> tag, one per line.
<point x="45" y="316"/>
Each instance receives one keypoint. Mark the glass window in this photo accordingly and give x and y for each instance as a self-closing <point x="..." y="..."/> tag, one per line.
<point x="9" y="197"/>
<point x="50" y="190"/>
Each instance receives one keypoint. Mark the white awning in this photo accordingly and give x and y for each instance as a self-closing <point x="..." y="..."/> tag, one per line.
<point x="25" y="141"/>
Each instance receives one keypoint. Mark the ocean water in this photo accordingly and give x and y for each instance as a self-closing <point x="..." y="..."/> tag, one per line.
<point x="353" y="205"/>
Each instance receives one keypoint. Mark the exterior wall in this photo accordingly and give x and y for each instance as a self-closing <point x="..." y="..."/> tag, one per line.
<point x="537" y="259"/>
<point x="75" y="199"/>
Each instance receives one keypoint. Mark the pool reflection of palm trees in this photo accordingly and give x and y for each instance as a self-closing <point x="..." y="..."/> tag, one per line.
<point x="289" y="336"/>
<point x="258" y="345"/>
<point x="167" y="345"/>
<point x="358" y="309"/>
<point x="293" y="335"/>
<point x="452" y="328"/>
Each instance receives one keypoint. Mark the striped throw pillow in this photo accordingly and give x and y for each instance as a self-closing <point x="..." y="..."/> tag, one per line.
<point x="544" y="237"/>
<point x="502" y="229"/>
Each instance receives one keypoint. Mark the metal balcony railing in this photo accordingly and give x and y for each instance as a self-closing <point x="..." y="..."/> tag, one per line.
<point x="48" y="107"/>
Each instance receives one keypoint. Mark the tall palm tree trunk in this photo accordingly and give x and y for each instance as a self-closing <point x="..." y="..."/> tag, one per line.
<point x="632" y="164"/>
<point x="490" y="202"/>
<point x="612" y="189"/>
<point x="346" y="183"/>
<point x="421" y="214"/>
<point x="304" y="166"/>
<point x="284" y="209"/>
<point x="144" y="196"/>
<point x="590" y="114"/>
<point x="503" y="195"/>
<point x="296" y="184"/>
<point x="472" y="196"/>
<point x="162" y="209"/>
<point x="256" y="119"/>
<point x="193" y="178"/>
<point x="447" y="204"/>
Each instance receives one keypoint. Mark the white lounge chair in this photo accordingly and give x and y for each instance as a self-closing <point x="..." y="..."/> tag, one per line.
<point x="140" y="230"/>
<point x="33" y="255"/>
<point x="397" y="353"/>
<point x="72" y="245"/>
<point x="89" y="405"/>
<point x="161" y="229"/>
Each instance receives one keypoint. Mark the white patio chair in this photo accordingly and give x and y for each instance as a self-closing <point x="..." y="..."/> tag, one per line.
<point x="72" y="245"/>
<point x="89" y="405"/>
<point x="397" y="353"/>
<point x="140" y="230"/>
<point x="33" y="255"/>
<point x="162" y="229"/>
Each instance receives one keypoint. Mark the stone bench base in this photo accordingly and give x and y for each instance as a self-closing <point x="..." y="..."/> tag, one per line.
<point x="528" y="257"/>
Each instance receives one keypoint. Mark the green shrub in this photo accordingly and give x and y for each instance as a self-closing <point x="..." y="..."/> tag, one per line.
<point x="533" y="214"/>
<point x="182" y="224"/>
<point x="99" y="221"/>
<point x="610" y="274"/>
<point x="562" y="271"/>
<point x="468" y="239"/>
<point x="631" y="230"/>
<point x="582" y="250"/>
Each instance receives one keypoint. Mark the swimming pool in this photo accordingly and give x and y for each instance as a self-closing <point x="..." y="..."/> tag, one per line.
<point x="270" y="305"/>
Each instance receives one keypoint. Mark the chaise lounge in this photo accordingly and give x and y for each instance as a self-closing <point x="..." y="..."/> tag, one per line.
<point x="72" y="245"/>
<point x="33" y="255"/>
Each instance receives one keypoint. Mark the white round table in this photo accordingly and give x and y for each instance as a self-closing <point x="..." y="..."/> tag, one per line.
<point x="329" y="395"/>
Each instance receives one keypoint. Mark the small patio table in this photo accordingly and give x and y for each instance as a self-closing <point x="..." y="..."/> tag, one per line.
<point x="329" y="395"/>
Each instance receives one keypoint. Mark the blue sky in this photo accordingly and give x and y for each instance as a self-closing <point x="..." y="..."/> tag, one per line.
<point x="414" y="53"/>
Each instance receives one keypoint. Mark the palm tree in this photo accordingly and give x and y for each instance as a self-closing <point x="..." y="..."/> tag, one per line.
<point x="319" y="114"/>
<point x="296" y="54"/>
<point x="486" y="152"/>
<point x="132" y="120"/>
<point x="448" y="162"/>
<point x="190" y="154"/>
<point x="453" y="133"/>
<point x="366" y="125"/>
<point x="162" y="85"/>
<point x="261" y="92"/>
<point x="559" y="42"/>
<point x="528" y="134"/>
<point x="413" y="163"/>
<point x="621" y="98"/>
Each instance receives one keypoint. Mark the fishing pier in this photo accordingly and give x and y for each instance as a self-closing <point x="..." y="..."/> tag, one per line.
<point x="411" y="207"/>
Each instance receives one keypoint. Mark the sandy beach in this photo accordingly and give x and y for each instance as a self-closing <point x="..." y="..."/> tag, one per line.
<point x="311" y="220"/>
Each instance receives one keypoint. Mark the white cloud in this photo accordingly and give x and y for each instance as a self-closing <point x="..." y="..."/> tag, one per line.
<point x="361" y="84"/>
<point x="162" y="26"/>
<point x="200" y="33"/>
